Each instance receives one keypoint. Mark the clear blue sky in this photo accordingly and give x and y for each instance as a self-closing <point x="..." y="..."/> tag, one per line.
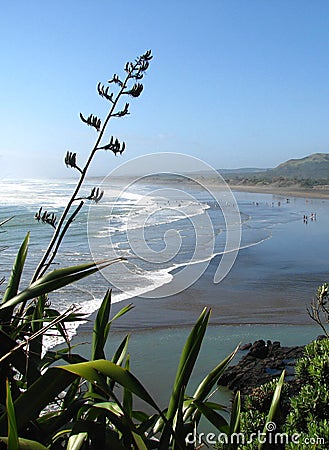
<point x="235" y="82"/>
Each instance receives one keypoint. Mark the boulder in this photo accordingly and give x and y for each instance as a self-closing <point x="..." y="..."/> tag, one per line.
<point x="263" y="362"/>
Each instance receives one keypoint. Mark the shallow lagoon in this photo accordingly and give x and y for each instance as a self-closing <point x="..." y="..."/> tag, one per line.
<point x="155" y="352"/>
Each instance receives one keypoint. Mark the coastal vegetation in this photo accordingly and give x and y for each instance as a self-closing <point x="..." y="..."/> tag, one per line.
<point x="302" y="417"/>
<point x="62" y="400"/>
<point x="319" y="308"/>
<point x="27" y="315"/>
<point x="310" y="172"/>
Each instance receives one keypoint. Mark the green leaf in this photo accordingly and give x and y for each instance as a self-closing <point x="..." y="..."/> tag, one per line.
<point x="114" y="414"/>
<point x="216" y="406"/>
<point x="127" y="396"/>
<point x="16" y="273"/>
<point x="119" y="419"/>
<point x="214" y="418"/>
<point x="30" y="403"/>
<point x="186" y="364"/>
<point x="71" y="393"/>
<point x="119" y="356"/>
<point x="25" y="444"/>
<point x="207" y="384"/>
<point x="71" y="270"/>
<point x="235" y="414"/>
<point x="100" y="328"/>
<point x="110" y="406"/>
<point x="139" y="441"/>
<point x="92" y="370"/>
<point x="274" y="406"/>
<point x="121" y="351"/>
<point x="65" y="354"/>
<point x="12" y="426"/>
<point x="55" y="280"/>
<point x="187" y="360"/>
<point x="204" y="388"/>
<point x="122" y="311"/>
<point x="179" y="441"/>
<point x="76" y="441"/>
<point x="38" y="313"/>
<point x="235" y="418"/>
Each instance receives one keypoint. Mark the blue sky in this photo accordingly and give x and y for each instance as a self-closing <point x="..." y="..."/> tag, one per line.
<point x="238" y="83"/>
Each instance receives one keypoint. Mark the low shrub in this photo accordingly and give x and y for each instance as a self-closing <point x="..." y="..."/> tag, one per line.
<point x="303" y="415"/>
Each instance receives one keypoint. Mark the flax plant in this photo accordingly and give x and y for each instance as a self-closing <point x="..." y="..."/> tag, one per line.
<point x="26" y="313"/>
<point x="128" y="86"/>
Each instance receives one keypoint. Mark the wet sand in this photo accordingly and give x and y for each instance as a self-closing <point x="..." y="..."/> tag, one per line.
<point x="240" y="299"/>
<point x="270" y="283"/>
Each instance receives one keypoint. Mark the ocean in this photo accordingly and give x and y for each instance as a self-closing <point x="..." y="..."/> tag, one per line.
<point x="158" y="230"/>
<point x="174" y="239"/>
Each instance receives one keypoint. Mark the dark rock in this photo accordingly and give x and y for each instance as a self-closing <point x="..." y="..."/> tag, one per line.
<point x="245" y="346"/>
<point x="273" y="372"/>
<point x="321" y="337"/>
<point x="261" y="364"/>
<point x="259" y="349"/>
<point x="290" y="371"/>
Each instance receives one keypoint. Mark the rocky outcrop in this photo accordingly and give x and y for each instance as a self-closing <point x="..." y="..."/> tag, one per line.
<point x="263" y="362"/>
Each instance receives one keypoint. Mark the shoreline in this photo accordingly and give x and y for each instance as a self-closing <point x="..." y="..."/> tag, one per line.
<point x="282" y="191"/>
<point x="239" y="299"/>
<point x="87" y="327"/>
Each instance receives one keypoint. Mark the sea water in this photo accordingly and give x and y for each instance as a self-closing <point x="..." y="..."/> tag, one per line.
<point x="131" y="223"/>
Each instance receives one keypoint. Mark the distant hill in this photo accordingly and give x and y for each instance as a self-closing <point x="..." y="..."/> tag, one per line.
<point x="308" y="172"/>
<point x="311" y="170"/>
<point x="315" y="167"/>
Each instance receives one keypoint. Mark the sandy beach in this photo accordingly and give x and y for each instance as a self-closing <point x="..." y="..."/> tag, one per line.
<point x="270" y="283"/>
<point x="292" y="191"/>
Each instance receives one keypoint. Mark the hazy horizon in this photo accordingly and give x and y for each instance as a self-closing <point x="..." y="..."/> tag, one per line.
<point x="74" y="176"/>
